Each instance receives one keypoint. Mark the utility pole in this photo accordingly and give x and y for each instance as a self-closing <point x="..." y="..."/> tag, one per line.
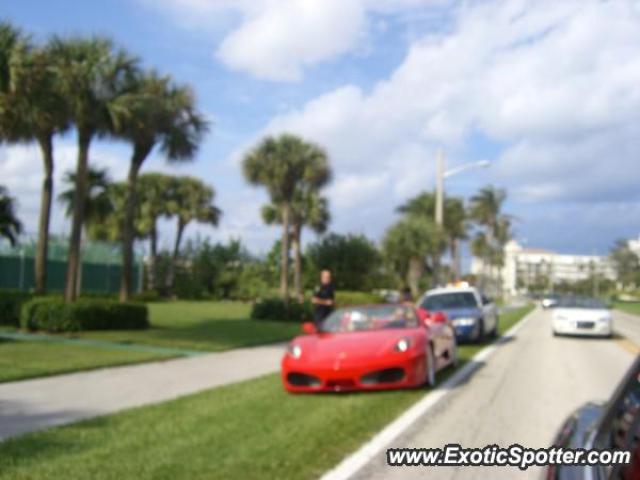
<point x="439" y="213"/>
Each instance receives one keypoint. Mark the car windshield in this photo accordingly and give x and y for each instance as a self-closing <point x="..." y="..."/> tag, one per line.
<point x="580" y="302"/>
<point x="445" y="301"/>
<point x="370" y="318"/>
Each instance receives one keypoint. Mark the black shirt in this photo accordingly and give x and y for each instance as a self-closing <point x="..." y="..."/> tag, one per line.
<point x="324" y="292"/>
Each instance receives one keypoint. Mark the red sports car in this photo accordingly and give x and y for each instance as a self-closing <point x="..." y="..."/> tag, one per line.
<point x="370" y="348"/>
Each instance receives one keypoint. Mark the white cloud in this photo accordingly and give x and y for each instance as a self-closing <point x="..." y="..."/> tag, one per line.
<point x="279" y="41"/>
<point x="276" y="39"/>
<point x="555" y="84"/>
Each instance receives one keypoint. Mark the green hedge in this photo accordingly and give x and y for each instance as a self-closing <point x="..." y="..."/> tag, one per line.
<point x="275" y="309"/>
<point x="11" y="302"/>
<point x="346" y="298"/>
<point x="52" y="314"/>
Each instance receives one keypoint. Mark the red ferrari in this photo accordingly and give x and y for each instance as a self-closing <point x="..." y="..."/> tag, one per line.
<point x="370" y="348"/>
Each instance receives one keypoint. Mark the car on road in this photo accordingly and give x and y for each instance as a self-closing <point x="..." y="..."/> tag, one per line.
<point x="473" y="315"/>
<point x="549" y="300"/>
<point x="581" y="316"/>
<point x="371" y="347"/>
<point x="614" y="425"/>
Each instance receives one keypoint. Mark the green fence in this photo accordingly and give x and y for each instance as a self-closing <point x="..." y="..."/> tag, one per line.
<point x="100" y="273"/>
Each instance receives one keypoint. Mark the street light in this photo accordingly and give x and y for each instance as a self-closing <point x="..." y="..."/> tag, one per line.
<point x="441" y="174"/>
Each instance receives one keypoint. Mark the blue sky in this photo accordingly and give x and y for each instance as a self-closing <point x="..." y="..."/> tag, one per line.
<point x="548" y="91"/>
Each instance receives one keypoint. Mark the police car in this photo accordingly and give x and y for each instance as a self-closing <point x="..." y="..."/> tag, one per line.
<point x="473" y="315"/>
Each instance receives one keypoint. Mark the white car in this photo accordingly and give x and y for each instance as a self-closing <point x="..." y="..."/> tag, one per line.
<point x="581" y="316"/>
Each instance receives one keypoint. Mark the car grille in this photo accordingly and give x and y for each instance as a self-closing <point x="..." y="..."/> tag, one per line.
<point x="303" y="380"/>
<point x="585" y="324"/>
<point x="389" y="375"/>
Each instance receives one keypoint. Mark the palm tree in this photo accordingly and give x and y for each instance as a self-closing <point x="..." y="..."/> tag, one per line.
<point x="98" y="204"/>
<point x="307" y="209"/>
<point x="486" y="210"/>
<point x="284" y="165"/>
<point x="455" y="221"/>
<point x="92" y="76"/>
<point x="156" y="112"/>
<point x="153" y="204"/>
<point x="31" y="109"/>
<point x="407" y="245"/>
<point x="10" y="226"/>
<point x="190" y="200"/>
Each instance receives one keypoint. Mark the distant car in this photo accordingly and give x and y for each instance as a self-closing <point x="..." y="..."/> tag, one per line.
<point x="549" y="300"/>
<point x="614" y="425"/>
<point x="473" y="315"/>
<point x="373" y="347"/>
<point x="581" y="316"/>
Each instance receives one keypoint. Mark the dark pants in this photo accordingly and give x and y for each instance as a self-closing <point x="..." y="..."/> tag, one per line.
<point x="319" y="314"/>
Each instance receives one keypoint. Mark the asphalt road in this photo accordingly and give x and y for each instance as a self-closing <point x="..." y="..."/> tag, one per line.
<point x="521" y="395"/>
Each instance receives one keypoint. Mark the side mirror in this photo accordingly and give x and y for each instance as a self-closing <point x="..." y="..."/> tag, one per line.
<point x="309" y="328"/>
<point x="439" y="317"/>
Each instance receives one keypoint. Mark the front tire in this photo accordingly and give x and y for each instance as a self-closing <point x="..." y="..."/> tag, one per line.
<point x="430" y="380"/>
<point x="480" y="337"/>
<point x="494" y="332"/>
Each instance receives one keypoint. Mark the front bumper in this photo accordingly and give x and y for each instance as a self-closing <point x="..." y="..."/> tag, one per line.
<point x="467" y="333"/>
<point x="385" y="374"/>
<point x="590" y="328"/>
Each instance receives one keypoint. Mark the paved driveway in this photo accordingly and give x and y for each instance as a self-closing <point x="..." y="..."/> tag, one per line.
<point x="35" y="404"/>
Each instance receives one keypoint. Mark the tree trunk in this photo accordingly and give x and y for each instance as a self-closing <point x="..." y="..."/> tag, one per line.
<point x="174" y="258"/>
<point x="297" y="259"/>
<point x="284" y="254"/>
<point x="153" y="258"/>
<point x="414" y="272"/>
<point x="42" y="249"/>
<point x="128" y="229"/>
<point x="73" y="262"/>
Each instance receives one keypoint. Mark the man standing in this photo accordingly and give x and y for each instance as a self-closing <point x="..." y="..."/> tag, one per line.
<point x="323" y="298"/>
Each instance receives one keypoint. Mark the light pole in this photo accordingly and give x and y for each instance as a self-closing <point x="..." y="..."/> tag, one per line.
<point x="441" y="174"/>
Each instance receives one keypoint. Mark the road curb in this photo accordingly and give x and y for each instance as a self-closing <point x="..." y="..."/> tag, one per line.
<point x="357" y="460"/>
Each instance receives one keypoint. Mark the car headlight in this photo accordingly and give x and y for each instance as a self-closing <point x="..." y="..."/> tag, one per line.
<point x="294" y="350"/>
<point x="464" y="322"/>
<point x="560" y="317"/>
<point x="403" y="345"/>
<point x="604" y="319"/>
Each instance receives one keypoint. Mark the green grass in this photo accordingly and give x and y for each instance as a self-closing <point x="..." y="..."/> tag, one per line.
<point x="20" y="360"/>
<point x="202" y="326"/>
<point x="247" y="430"/>
<point x="207" y="326"/>
<point x="629" y="307"/>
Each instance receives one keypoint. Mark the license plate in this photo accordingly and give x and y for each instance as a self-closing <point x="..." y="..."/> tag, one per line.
<point x="585" y="324"/>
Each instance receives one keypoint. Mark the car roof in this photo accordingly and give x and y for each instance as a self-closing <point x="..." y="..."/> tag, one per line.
<point x="437" y="291"/>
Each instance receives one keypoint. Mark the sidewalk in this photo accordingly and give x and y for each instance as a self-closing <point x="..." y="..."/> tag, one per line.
<point x="31" y="405"/>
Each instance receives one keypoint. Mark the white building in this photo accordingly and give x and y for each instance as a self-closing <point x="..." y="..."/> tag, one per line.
<point x="525" y="267"/>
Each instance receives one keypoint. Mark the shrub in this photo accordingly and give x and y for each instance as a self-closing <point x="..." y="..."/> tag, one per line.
<point x="10" y="304"/>
<point x="345" y="298"/>
<point x="275" y="309"/>
<point x="147" y="296"/>
<point x="52" y="314"/>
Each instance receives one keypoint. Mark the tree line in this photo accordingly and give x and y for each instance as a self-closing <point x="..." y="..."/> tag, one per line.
<point x="99" y="90"/>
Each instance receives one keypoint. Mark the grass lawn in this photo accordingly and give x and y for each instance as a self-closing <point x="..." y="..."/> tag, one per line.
<point x="20" y="359"/>
<point x="246" y="430"/>
<point x="629" y="307"/>
<point x="208" y="326"/>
